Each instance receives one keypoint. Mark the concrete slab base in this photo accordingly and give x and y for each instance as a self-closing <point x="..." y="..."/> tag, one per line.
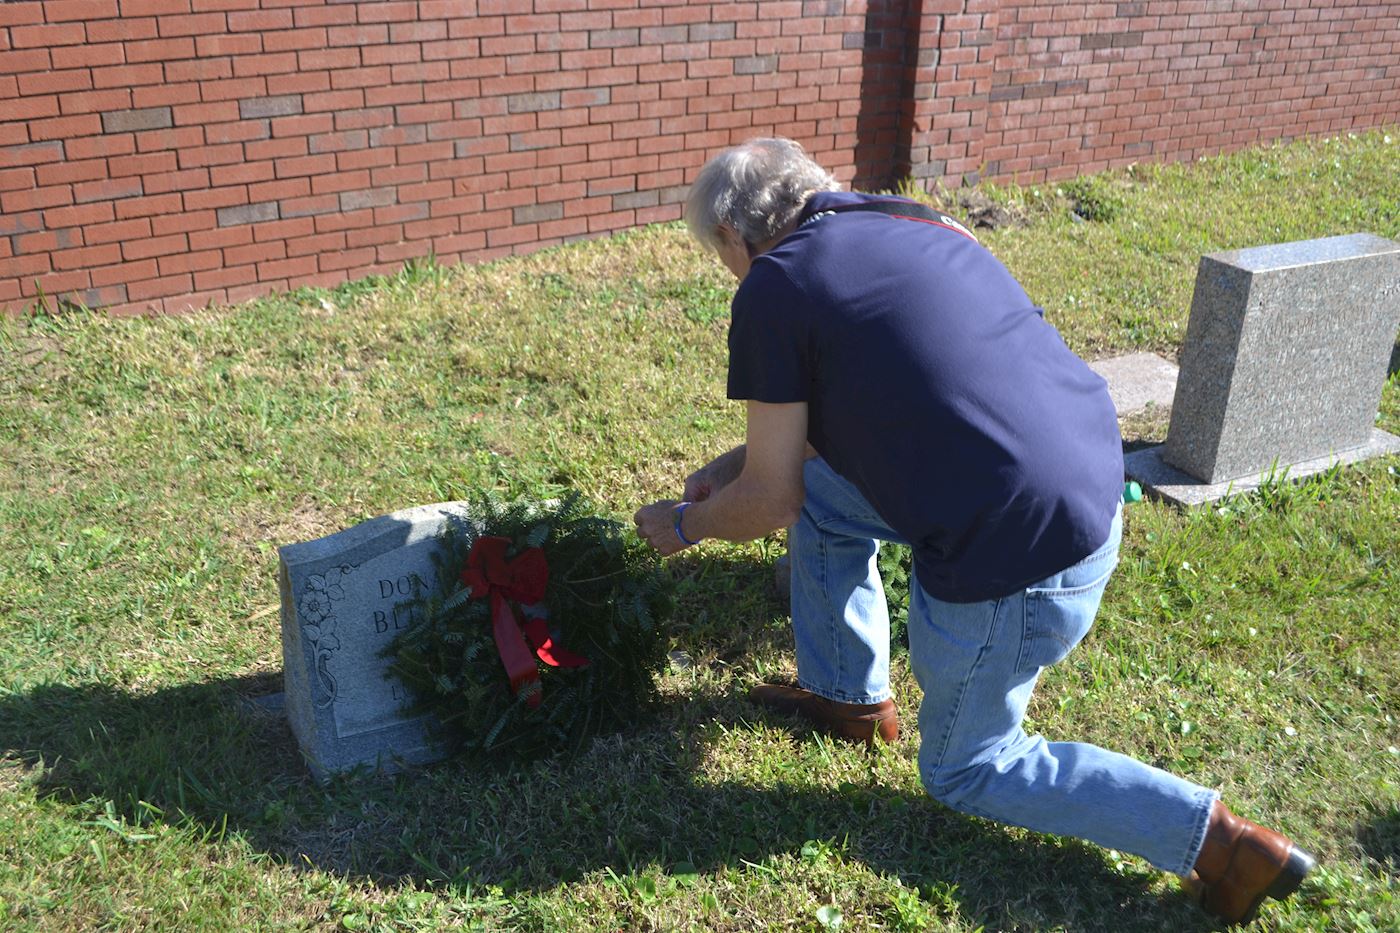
<point x="1137" y="381"/>
<point x="270" y="704"/>
<point x="1160" y="479"/>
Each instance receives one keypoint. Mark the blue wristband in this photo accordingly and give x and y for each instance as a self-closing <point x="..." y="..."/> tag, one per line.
<point x="676" y="523"/>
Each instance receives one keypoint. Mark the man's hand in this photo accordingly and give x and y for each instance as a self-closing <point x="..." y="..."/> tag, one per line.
<point x="698" y="485"/>
<point x="744" y="494"/>
<point x="656" y="525"/>
<point x="714" y="476"/>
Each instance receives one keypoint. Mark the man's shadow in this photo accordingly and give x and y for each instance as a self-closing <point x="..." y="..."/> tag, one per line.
<point x="202" y="753"/>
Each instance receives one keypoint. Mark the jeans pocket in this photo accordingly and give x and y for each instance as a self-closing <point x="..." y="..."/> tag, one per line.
<point x="1057" y="619"/>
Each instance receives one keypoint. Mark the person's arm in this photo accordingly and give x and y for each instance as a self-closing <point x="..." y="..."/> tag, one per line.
<point x="720" y="472"/>
<point x="714" y="476"/>
<point x="766" y="494"/>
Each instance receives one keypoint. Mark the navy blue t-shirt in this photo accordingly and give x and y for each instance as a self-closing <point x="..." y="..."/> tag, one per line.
<point x="938" y="389"/>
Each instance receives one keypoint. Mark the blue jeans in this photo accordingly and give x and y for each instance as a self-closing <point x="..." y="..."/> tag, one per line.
<point x="977" y="664"/>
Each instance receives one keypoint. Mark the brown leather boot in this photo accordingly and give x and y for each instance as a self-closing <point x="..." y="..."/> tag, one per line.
<point x="1241" y="863"/>
<point x="853" y="722"/>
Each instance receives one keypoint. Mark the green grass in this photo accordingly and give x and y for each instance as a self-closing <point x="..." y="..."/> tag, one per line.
<point x="152" y="467"/>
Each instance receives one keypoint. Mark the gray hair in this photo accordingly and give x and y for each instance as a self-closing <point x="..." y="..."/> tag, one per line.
<point x="755" y="188"/>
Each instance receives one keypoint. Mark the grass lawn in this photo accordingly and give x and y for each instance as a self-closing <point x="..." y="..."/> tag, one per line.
<point x="152" y="467"/>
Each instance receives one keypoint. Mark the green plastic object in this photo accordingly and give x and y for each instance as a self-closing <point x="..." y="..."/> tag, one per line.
<point x="1132" y="492"/>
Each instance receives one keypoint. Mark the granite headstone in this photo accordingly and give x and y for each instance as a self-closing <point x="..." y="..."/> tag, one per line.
<point x="344" y="598"/>
<point x="1283" y="365"/>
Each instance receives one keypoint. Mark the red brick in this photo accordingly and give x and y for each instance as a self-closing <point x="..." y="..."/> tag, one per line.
<point x="54" y="82"/>
<point x="377" y="235"/>
<point x="230" y="89"/>
<point x="65" y="127"/>
<point x="86" y="258"/>
<point x="185" y="180"/>
<point x="349" y="259"/>
<point x="357" y="35"/>
<point x="225" y="154"/>
<point x="159" y="288"/>
<point x="148" y="206"/>
<point x="264" y="64"/>
<point x="360" y="77"/>
<point x="196" y="115"/>
<point x="221" y="237"/>
<point x="47" y="36"/>
<point x="160" y="50"/>
<point x="14" y="202"/>
<point x="294" y="40"/>
<point x="209" y="46"/>
<point x="287" y="268"/>
<point x="154" y="7"/>
<point x="88" y="55"/>
<point x="196" y="24"/>
<point x="344" y="180"/>
<point x="16" y="179"/>
<point x="306" y="165"/>
<point x="122" y="30"/>
<point x="113" y="76"/>
<point x="72" y="171"/>
<point x="254" y="252"/>
<point x="118" y="231"/>
<point x="238" y="132"/>
<point x="95" y="101"/>
<point x="22" y="14"/>
<point x="32" y="108"/>
<point x="303" y="125"/>
<point x="298" y="83"/>
<point x="390" y="12"/>
<point x="283" y="230"/>
<point x="164" y="95"/>
<point x="56" y="284"/>
<point x="333" y="101"/>
<point x="260" y="20"/>
<point x="333" y="59"/>
<point x="396" y="54"/>
<point x="244" y="293"/>
<point x="190" y="262"/>
<point x="276" y="190"/>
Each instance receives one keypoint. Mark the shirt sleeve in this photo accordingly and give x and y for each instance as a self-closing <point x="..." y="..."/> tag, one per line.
<point x="769" y="358"/>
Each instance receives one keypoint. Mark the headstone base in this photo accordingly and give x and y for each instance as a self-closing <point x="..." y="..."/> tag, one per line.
<point x="1160" y="479"/>
<point x="1138" y="381"/>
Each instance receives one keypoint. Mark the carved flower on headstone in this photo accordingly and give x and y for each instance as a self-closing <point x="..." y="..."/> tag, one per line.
<point x="314" y="607"/>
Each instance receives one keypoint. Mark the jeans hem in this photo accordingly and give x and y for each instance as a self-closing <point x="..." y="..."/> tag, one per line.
<point x="1208" y="798"/>
<point x="837" y="697"/>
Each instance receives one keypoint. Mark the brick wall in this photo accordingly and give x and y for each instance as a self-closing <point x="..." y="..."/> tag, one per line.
<point x="161" y="154"/>
<point x="1044" y="89"/>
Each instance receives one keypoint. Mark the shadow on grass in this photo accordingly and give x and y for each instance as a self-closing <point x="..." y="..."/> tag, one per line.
<point x="1380" y="839"/>
<point x="198" y="754"/>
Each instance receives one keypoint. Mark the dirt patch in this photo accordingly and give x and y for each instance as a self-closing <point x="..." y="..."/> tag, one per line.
<point x="305" y="521"/>
<point x="983" y="213"/>
<point x="1145" y="427"/>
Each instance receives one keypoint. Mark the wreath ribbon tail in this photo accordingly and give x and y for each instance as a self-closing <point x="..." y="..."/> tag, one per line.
<point x="538" y="635"/>
<point x="516" y="655"/>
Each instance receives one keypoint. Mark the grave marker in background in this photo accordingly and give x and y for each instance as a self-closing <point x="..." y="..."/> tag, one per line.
<point x="1284" y="361"/>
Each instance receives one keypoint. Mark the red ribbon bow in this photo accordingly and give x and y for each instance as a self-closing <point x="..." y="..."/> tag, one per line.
<point x="521" y="581"/>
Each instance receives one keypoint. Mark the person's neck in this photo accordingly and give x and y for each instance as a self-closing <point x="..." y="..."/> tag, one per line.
<point x="759" y="249"/>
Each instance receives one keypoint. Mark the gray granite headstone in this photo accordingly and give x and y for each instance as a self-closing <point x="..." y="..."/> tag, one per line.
<point x="1283" y="365"/>
<point x="343" y="601"/>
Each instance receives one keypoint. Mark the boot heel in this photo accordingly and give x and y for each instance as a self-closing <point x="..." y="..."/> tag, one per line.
<point x="1288" y="880"/>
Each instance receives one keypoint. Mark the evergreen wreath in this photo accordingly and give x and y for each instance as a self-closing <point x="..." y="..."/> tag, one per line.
<point x="606" y="603"/>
